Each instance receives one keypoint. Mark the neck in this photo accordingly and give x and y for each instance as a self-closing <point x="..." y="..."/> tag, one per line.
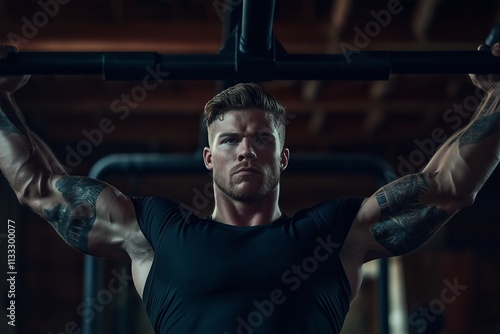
<point x="251" y="213"/>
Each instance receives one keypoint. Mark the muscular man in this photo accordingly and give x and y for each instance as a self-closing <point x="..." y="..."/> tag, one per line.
<point x="248" y="268"/>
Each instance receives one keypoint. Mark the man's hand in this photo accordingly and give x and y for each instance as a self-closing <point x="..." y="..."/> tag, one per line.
<point x="491" y="81"/>
<point x="10" y="84"/>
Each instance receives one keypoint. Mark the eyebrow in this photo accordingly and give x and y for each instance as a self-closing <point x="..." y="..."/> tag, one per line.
<point x="234" y="134"/>
<point x="227" y="134"/>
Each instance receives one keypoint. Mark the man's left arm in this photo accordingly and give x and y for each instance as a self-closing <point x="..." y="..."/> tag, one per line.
<point x="406" y="213"/>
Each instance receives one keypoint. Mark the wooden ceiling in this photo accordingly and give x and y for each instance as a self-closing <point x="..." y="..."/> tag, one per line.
<point x="384" y="117"/>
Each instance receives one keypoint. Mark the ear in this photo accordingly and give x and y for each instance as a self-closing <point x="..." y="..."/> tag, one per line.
<point x="207" y="158"/>
<point x="285" y="155"/>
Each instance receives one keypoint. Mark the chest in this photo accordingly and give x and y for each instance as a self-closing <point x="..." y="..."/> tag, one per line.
<point x="212" y="261"/>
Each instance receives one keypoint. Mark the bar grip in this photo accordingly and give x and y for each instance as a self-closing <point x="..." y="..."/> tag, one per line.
<point x="494" y="36"/>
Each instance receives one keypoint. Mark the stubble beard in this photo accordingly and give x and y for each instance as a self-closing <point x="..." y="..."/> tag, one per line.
<point x="244" y="195"/>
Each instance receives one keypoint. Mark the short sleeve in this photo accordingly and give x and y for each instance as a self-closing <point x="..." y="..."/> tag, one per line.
<point x="153" y="215"/>
<point x="337" y="216"/>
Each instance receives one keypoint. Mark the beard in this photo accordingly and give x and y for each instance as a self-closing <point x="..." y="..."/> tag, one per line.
<point x="269" y="184"/>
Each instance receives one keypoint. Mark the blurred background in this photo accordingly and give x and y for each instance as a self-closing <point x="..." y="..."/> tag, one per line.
<point x="447" y="286"/>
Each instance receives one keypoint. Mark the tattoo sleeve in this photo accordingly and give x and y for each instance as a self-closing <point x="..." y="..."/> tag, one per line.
<point x="405" y="222"/>
<point x="7" y="126"/>
<point x="74" y="218"/>
<point x="11" y="121"/>
<point x="483" y="127"/>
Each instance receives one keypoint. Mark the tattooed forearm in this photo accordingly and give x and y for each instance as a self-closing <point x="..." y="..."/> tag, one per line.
<point x="7" y="126"/>
<point x="483" y="125"/>
<point x="405" y="223"/>
<point x="480" y="129"/>
<point x="11" y="119"/>
<point x="74" y="219"/>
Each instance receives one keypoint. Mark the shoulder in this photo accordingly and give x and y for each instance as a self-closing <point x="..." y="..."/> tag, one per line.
<point x="154" y="214"/>
<point x="333" y="217"/>
<point x="151" y="207"/>
<point x="141" y="202"/>
<point x="336" y="208"/>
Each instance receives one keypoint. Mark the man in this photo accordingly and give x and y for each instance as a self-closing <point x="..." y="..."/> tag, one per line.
<point x="248" y="268"/>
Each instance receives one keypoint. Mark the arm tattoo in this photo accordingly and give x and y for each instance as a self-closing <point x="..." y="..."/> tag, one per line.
<point x="405" y="223"/>
<point x="485" y="124"/>
<point x="74" y="219"/>
<point x="7" y="126"/>
<point x="480" y="129"/>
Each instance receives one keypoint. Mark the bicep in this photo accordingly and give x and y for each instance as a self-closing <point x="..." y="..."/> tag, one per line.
<point x="400" y="217"/>
<point x="91" y="216"/>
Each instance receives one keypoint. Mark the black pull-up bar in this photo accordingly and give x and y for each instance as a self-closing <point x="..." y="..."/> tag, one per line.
<point x="364" y="65"/>
<point x="252" y="53"/>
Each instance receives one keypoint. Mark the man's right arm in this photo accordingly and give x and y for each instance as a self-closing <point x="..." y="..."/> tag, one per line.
<point x="90" y="215"/>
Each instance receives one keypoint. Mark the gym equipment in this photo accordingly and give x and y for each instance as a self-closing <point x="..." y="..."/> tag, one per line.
<point x="175" y="164"/>
<point x="251" y="52"/>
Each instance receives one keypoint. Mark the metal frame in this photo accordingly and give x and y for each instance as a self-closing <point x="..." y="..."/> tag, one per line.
<point x="254" y="54"/>
<point x="155" y="163"/>
<point x="277" y="65"/>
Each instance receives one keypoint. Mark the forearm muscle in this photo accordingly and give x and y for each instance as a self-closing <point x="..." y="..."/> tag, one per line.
<point x="470" y="156"/>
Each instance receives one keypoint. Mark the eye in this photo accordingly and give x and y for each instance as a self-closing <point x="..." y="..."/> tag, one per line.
<point x="230" y="141"/>
<point x="263" y="139"/>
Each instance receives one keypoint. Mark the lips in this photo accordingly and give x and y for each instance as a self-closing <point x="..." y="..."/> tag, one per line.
<point x="248" y="169"/>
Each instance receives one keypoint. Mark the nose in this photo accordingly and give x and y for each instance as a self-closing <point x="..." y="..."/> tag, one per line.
<point x="246" y="150"/>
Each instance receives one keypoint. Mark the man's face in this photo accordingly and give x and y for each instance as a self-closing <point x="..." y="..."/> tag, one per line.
<point x="245" y="155"/>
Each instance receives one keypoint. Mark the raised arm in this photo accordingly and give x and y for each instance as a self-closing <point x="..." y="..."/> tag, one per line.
<point x="90" y="215"/>
<point x="406" y="213"/>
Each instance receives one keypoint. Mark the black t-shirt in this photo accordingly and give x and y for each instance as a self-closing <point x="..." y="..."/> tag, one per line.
<point x="209" y="277"/>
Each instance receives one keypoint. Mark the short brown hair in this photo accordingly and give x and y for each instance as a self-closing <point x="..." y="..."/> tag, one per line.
<point x="246" y="96"/>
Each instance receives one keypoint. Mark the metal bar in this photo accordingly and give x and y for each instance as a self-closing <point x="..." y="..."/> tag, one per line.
<point x="199" y="67"/>
<point x="257" y="27"/>
<point x="356" y="163"/>
<point x="425" y="62"/>
<point x="92" y="282"/>
<point x="53" y="63"/>
<point x="383" y="296"/>
<point x="232" y="19"/>
<point x="126" y="163"/>
<point x="93" y="269"/>
<point x="363" y="65"/>
<point x="139" y="163"/>
<point x="155" y="163"/>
